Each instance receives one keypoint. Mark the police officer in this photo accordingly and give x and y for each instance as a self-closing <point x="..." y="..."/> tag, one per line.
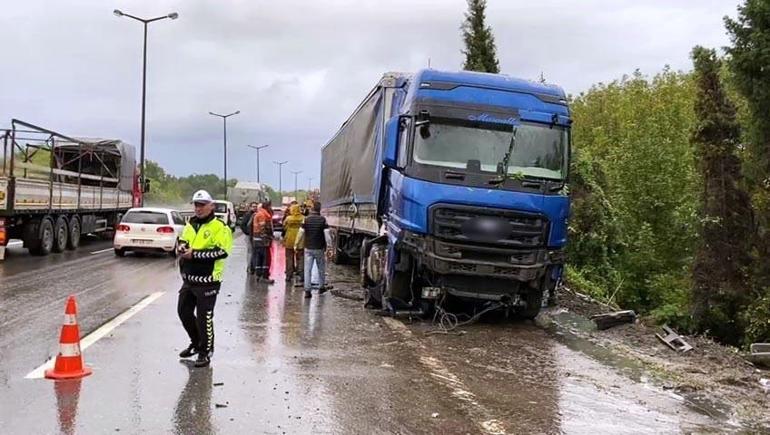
<point x="205" y="243"/>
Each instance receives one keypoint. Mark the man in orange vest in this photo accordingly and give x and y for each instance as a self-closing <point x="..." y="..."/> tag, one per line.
<point x="261" y="238"/>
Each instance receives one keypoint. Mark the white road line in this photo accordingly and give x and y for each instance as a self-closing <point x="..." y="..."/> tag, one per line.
<point x="440" y="372"/>
<point x="105" y="329"/>
<point x="103" y="250"/>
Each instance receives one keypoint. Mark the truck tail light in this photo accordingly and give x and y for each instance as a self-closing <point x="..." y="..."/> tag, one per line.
<point x="124" y="228"/>
<point x="165" y="230"/>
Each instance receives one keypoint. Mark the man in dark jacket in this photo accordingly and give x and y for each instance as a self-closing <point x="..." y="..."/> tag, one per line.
<point x="312" y="236"/>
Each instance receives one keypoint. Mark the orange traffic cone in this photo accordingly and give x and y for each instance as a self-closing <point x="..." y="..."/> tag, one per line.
<point x="69" y="361"/>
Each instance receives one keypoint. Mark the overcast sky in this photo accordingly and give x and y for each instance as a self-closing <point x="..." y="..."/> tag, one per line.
<point x="296" y="69"/>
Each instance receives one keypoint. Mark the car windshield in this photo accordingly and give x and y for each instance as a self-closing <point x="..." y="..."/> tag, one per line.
<point x="146" y="217"/>
<point x="220" y="207"/>
<point x="539" y="150"/>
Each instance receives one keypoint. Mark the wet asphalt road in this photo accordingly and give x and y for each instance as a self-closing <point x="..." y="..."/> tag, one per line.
<point x="284" y="364"/>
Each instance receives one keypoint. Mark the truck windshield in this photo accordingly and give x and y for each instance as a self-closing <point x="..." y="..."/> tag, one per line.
<point x="539" y="150"/>
<point x="220" y="207"/>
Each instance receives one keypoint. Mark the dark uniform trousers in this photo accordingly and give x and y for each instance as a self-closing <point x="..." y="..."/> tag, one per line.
<point x="195" y="307"/>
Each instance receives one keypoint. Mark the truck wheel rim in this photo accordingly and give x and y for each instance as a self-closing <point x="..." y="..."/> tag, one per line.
<point x="48" y="238"/>
<point x="75" y="236"/>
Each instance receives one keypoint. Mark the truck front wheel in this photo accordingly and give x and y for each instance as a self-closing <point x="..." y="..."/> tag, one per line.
<point x="534" y="300"/>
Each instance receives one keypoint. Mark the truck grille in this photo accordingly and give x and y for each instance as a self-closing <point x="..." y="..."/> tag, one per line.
<point x="527" y="230"/>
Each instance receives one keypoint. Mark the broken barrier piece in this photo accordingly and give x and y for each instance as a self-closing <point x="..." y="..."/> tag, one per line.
<point x="608" y="320"/>
<point x="674" y="340"/>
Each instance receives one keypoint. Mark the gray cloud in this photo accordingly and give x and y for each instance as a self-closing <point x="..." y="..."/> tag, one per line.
<point x="296" y="69"/>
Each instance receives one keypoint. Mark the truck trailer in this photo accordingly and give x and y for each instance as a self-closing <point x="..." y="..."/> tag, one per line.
<point x="55" y="188"/>
<point x="452" y="185"/>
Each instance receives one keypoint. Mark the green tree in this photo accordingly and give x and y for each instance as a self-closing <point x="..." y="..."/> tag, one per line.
<point x="480" y="51"/>
<point x="749" y="62"/>
<point x="634" y="185"/>
<point x="720" y="285"/>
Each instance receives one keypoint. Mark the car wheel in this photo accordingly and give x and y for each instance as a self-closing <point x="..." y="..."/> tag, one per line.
<point x="120" y="252"/>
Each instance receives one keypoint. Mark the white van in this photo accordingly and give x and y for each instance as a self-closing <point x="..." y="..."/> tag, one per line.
<point x="226" y="211"/>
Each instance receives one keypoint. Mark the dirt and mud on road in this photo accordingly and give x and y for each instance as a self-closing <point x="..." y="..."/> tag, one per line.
<point x="559" y="373"/>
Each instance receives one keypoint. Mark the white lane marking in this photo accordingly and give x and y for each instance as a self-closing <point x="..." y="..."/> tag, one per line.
<point x="103" y="250"/>
<point x="440" y="372"/>
<point x="101" y="332"/>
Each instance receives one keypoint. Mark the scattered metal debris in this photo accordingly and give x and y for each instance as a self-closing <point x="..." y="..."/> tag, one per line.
<point x="608" y="320"/>
<point x="674" y="340"/>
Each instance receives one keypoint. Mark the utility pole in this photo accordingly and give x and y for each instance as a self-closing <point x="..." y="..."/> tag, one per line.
<point x="171" y="16"/>
<point x="280" y="189"/>
<point x="296" y="194"/>
<point x="309" y="185"/>
<point x="224" y="118"/>
<point x="257" y="148"/>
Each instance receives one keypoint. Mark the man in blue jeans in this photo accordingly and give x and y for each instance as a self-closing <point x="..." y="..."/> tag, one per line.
<point x="312" y="235"/>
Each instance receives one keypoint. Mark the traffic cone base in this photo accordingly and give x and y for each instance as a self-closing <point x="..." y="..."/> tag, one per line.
<point x="73" y="374"/>
<point x="69" y="361"/>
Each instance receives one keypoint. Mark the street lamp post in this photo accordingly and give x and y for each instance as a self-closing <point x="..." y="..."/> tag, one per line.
<point x="309" y="185"/>
<point x="280" y="165"/>
<point x="296" y="195"/>
<point x="224" y="119"/>
<point x="257" y="148"/>
<point x="172" y="16"/>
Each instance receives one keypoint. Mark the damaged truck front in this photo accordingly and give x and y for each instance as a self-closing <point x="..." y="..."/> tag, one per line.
<point x="452" y="184"/>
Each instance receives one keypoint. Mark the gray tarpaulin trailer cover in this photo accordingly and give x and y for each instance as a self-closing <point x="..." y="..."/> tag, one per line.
<point x="351" y="158"/>
<point x="123" y="158"/>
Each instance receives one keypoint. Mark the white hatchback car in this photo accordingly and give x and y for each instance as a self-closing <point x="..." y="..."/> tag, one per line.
<point x="148" y="230"/>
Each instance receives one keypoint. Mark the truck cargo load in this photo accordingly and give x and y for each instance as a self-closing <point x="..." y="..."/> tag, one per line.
<point x="55" y="188"/>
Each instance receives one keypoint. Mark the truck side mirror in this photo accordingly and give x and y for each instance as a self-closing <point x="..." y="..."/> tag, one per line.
<point x="146" y="187"/>
<point x="390" y="157"/>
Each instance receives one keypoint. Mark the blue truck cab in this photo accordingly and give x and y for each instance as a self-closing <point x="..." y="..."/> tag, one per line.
<point x="452" y="184"/>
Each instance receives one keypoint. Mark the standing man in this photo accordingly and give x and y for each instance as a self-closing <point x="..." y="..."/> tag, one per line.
<point x="268" y="206"/>
<point x="205" y="243"/>
<point x="261" y="237"/>
<point x="313" y="234"/>
<point x="294" y="260"/>
<point x="246" y="226"/>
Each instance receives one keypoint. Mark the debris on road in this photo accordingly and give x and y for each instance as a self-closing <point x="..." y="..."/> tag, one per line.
<point x="765" y="383"/>
<point x="352" y="294"/>
<point x="760" y="354"/>
<point x="218" y="384"/>
<point x="673" y="340"/>
<point x="608" y="320"/>
<point x="220" y="405"/>
<point x="434" y="415"/>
